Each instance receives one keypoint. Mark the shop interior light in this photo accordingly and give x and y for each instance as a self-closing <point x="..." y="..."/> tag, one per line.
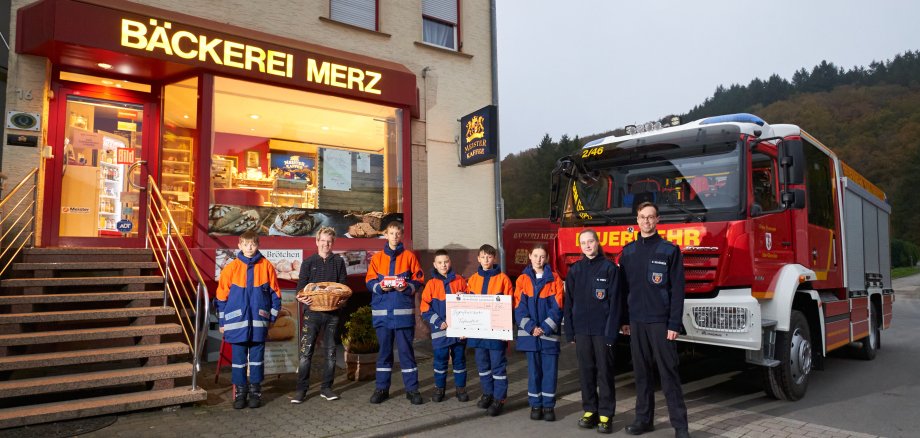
<point x="104" y="65"/>
<point x="185" y="116"/>
<point x="117" y="85"/>
<point x="254" y="116"/>
<point x="107" y="82"/>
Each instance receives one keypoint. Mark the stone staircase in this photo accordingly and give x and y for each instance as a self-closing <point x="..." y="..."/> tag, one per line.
<point x="83" y="332"/>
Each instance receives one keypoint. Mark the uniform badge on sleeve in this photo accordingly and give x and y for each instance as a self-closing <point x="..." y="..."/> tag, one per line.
<point x="657" y="277"/>
<point x="600" y="293"/>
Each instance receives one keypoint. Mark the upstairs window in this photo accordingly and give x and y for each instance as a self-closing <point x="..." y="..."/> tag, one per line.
<point x="439" y="22"/>
<point x="361" y="13"/>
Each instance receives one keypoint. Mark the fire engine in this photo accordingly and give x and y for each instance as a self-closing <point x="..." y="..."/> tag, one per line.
<point x="786" y="248"/>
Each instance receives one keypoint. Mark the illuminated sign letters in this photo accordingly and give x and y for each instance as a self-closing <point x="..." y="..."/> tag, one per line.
<point x="479" y="136"/>
<point x="162" y="38"/>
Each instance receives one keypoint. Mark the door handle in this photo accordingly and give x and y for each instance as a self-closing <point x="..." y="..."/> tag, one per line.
<point x="130" y="170"/>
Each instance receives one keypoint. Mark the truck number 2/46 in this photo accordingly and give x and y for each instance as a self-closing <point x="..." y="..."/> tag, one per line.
<point x="585" y="153"/>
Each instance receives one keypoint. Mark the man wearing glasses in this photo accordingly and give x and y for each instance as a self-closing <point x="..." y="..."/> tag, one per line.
<point x="654" y="274"/>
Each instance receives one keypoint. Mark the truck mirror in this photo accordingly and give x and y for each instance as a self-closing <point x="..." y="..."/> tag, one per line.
<point x="794" y="198"/>
<point x="793" y="160"/>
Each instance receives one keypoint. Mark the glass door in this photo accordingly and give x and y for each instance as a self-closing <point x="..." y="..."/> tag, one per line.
<point x="100" y="170"/>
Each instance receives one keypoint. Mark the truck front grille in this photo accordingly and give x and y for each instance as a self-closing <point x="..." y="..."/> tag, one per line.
<point x="729" y="319"/>
<point x="700" y="272"/>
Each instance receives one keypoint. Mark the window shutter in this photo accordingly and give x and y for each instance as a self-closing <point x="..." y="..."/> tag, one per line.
<point x="445" y="10"/>
<point x="362" y="13"/>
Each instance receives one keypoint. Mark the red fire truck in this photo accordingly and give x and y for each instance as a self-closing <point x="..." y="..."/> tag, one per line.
<point x="786" y="248"/>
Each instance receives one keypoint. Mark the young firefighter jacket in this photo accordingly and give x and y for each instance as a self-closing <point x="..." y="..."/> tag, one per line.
<point x="248" y="298"/>
<point x="594" y="299"/>
<point x="434" y="307"/>
<point x="394" y="309"/>
<point x="538" y="303"/>
<point x="489" y="282"/>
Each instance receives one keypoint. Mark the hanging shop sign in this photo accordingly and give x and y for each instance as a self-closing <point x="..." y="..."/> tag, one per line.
<point x="479" y="136"/>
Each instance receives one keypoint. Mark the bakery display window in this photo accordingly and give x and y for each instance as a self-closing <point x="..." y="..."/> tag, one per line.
<point x="178" y="151"/>
<point x="286" y="162"/>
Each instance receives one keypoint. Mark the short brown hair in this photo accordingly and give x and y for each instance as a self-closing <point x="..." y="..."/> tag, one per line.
<point x="488" y="249"/>
<point x="250" y="235"/>
<point x="395" y="224"/>
<point x="647" y="204"/>
<point x="441" y="252"/>
<point x="326" y="230"/>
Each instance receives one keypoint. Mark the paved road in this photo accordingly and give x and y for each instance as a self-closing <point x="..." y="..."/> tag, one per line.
<point x="850" y="397"/>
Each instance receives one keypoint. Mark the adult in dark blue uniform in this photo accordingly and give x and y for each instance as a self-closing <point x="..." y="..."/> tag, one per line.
<point x="654" y="272"/>
<point x="593" y="305"/>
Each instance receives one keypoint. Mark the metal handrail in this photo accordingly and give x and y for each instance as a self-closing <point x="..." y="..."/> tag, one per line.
<point x="25" y="221"/>
<point x="180" y="274"/>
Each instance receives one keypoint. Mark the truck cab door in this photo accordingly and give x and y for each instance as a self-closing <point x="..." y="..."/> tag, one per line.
<point x="771" y="233"/>
<point x="822" y="253"/>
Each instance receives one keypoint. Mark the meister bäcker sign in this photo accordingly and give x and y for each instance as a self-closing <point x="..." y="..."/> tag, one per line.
<point x="479" y="136"/>
<point x="156" y="36"/>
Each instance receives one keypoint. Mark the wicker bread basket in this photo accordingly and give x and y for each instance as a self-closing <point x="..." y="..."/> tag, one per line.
<point x="327" y="295"/>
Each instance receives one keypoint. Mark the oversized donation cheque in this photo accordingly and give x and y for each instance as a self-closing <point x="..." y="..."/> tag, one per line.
<point x="479" y="316"/>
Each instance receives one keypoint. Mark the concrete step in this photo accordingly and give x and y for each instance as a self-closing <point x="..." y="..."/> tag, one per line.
<point x="67" y="255"/>
<point x="80" y="281"/>
<point x="49" y="412"/>
<point x="89" y="334"/>
<point x="24" y="361"/>
<point x="71" y="382"/>
<point x="83" y="315"/>
<point x="80" y="298"/>
<point x="62" y="266"/>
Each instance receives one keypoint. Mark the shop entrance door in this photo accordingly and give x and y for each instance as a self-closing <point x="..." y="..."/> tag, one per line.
<point x="103" y="152"/>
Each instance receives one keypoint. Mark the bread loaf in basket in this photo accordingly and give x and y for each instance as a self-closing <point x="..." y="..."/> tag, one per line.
<point x="326" y="295"/>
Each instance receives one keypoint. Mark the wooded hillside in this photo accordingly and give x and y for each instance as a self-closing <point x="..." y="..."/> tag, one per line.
<point x="869" y="115"/>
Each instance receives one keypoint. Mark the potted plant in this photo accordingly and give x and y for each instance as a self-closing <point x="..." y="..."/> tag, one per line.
<point x="360" y="342"/>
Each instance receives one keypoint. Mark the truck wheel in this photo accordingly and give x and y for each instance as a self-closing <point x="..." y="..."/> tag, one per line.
<point x="871" y="343"/>
<point x="789" y="379"/>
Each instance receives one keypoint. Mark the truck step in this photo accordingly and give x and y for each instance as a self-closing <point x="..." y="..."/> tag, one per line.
<point x="97" y="379"/>
<point x="58" y="411"/>
<point x="79" y="281"/>
<point x="89" y="334"/>
<point x="80" y="298"/>
<point x="25" y="361"/>
<point x="83" y="315"/>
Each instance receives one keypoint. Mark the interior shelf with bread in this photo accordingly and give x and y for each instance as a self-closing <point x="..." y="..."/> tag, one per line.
<point x="177" y="182"/>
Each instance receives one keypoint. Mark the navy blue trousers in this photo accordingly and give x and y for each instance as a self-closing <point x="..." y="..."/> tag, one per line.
<point x="456" y="353"/>
<point x="542" y="370"/>
<point x="493" y="376"/>
<point x="403" y="338"/>
<point x="251" y="353"/>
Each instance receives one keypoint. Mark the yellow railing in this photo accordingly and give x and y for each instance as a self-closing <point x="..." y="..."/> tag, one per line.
<point x="18" y="219"/>
<point x="183" y="287"/>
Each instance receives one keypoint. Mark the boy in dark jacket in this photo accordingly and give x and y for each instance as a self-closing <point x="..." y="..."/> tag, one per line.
<point x="434" y="311"/>
<point x="490" y="353"/>
<point x="248" y="301"/>
<point x="538" y="296"/>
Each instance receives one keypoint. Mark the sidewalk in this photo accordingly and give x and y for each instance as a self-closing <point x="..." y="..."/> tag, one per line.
<point x="352" y="415"/>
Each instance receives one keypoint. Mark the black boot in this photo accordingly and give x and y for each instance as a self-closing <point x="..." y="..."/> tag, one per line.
<point x="255" y="395"/>
<point x="438" y="395"/>
<point x="239" y="396"/>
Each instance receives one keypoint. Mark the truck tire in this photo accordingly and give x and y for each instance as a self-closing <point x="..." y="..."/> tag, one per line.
<point x="871" y="343"/>
<point x="789" y="379"/>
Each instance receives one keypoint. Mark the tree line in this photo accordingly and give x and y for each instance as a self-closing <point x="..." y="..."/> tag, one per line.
<point x="870" y="116"/>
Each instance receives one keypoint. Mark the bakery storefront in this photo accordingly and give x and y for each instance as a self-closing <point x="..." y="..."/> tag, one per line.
<point x="239" y="130"/>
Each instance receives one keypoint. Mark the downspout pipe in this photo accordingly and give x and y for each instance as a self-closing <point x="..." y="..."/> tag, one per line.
<point x="499" y="202"/>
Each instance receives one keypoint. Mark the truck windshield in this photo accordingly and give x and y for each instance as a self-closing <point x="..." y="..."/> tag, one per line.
<point x="689" y="180"/>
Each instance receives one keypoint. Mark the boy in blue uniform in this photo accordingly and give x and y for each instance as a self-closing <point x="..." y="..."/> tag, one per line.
<point x="434" y="311"/>
<point x="393" y="277"/>
<point x="490" y="353"/>
<point x="538" y="298"/>
<point x="248" y="301"/>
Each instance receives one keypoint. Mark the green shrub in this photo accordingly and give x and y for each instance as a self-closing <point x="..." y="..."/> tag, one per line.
<point x="904" y="253"/>
<point x="360" y="336"/>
